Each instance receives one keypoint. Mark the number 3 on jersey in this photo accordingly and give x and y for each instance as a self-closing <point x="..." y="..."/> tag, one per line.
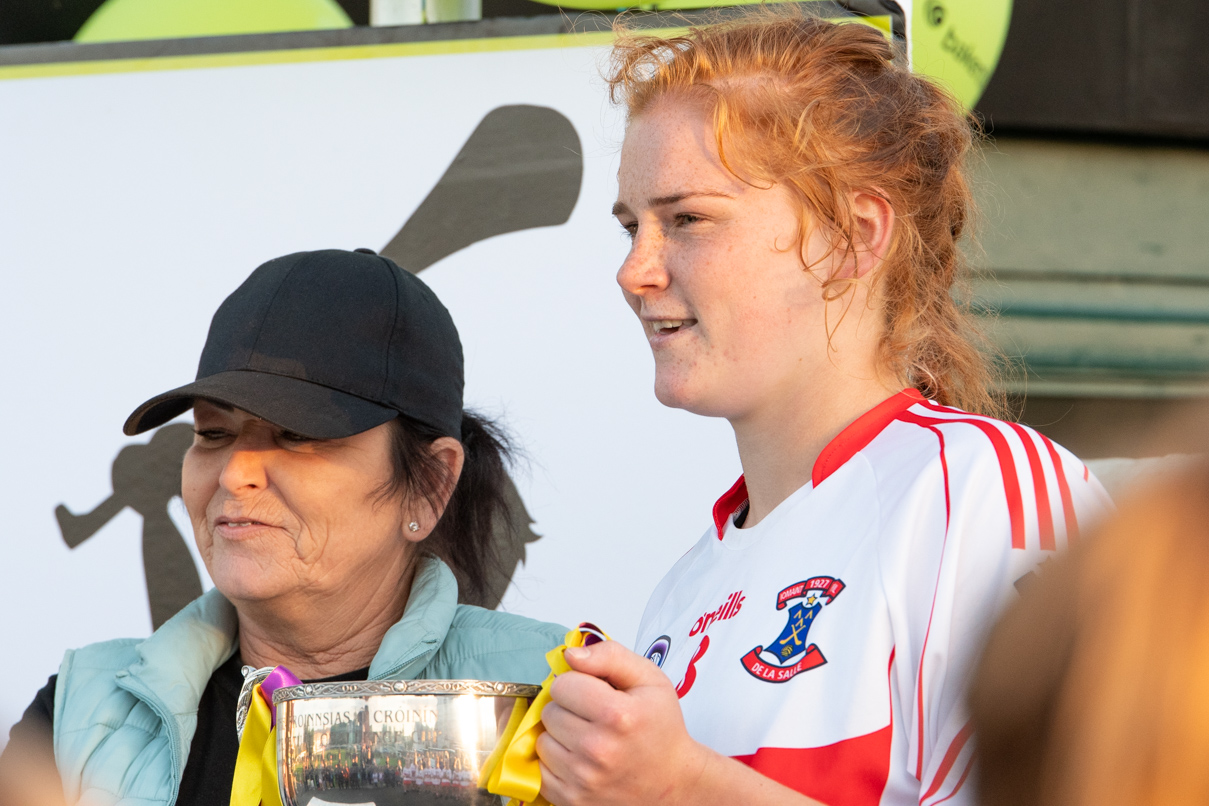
<point x="690" y="674"/>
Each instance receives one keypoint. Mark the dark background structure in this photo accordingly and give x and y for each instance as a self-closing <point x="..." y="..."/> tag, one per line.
<point x="1122" y="84"/>
<point x="1123" y="68"/>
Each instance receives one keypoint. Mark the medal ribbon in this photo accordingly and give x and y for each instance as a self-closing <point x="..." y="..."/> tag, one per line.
<point x="255" y="779"/>
<point x="512" y="770"/>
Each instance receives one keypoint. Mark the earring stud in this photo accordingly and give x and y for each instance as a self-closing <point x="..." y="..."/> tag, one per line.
<point x="415" y="527"/>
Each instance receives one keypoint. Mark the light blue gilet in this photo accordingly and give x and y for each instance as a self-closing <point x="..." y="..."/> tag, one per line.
<point x="126" y="710"/>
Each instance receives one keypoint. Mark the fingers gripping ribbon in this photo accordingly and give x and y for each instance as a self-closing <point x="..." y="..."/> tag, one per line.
<point x="512" y="769"/>
<point x="255" y="779"/>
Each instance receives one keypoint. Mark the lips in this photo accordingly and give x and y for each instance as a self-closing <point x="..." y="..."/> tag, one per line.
<point x="238" y="522"/>
<point x="663" y="326"/>
<point x="667" y="327"/>
<point x="234" y="527"/>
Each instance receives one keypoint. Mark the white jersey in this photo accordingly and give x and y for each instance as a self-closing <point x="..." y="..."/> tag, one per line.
<point x="829" y="645"/>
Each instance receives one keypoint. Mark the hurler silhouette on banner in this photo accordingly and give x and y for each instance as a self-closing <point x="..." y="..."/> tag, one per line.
<point x="146" y="478"/>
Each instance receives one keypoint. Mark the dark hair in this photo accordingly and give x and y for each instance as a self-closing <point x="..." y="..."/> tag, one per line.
<point x="476" y="516"/>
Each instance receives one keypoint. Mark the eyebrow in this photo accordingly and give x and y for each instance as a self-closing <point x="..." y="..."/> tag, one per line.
<point x="664" y="201"/>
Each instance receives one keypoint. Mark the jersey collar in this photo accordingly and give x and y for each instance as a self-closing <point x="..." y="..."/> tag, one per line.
<point x="843" y="447"/>
<point x="726" y="506"/>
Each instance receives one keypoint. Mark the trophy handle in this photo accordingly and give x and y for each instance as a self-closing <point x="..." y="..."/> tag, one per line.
<point x="251" y="677"/>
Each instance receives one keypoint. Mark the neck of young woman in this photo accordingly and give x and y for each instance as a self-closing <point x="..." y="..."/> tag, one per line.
<point x="779" y="444"/>
<point x="326" y="634"/>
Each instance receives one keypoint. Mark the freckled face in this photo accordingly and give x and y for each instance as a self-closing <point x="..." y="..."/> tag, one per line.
<point x="715" y="272"/>
<point x="275" y="514"/>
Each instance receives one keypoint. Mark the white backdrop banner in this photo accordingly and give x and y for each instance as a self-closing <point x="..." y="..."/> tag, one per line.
<point x="134" y="197"/>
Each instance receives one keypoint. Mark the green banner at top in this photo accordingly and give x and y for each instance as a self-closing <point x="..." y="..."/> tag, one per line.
<point x="957" y="42"/>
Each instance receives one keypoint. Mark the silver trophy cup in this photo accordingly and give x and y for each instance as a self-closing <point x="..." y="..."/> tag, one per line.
<point x="390" y="742"/>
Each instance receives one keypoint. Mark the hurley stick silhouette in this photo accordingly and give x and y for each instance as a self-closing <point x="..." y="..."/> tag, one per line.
<point x="521" y="168"/>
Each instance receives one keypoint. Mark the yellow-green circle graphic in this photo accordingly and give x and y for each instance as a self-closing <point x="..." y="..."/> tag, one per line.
<point x="958" y="42"/>
<point x="126" y="20"/>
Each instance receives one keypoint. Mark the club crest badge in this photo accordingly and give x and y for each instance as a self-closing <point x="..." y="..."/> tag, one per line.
<point x="657" y="652"/>
<point x="789" y="655"/>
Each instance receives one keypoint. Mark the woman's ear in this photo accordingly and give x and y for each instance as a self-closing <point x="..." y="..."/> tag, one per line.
<point x="424" y="513"/>
<point x="873" y="226"/>
<point x="855" y="255"/>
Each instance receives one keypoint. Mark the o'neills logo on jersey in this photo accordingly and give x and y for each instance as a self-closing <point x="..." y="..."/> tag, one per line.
<point x="789" y="655"/>
<point x="729" y="609"/>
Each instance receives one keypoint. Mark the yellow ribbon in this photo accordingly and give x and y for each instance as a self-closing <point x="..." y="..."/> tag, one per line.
<point x="512" y="770"/>
<point x="255" y="779"/>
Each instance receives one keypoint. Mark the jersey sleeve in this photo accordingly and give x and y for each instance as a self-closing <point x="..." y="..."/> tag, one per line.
<point x="1010" y="499"/>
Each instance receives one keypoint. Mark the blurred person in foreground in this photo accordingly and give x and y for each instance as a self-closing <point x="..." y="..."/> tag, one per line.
<point x="343" y="503"/>
<point x="795" y="200"/>
<point x="1094" y="686"/>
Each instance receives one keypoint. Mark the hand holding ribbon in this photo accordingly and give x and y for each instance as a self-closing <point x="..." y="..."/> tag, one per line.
<point x="615" y="736"/>
<point x="513" y="770"/>
<point x="255" y="779"/>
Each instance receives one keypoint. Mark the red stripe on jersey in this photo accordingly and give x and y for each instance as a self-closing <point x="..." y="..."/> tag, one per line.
<point x="944" y="466"/>
<point x="848" y="773"/>
<point x="860" y="432"/>
<point x="729" y="504"/>
<point x="1007" y="465"/>
<point x="964" y="775"/>
<point x="946" y="764"/>
<point x="1086" y="473"/>
<point x="911" y="417"/>
<point x="852" y="772"/>
<point x="1045" y="516"/>
<point x="1068" y="504"/>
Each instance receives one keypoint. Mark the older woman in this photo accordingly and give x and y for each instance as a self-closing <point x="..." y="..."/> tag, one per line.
<point x="338" y="494"/>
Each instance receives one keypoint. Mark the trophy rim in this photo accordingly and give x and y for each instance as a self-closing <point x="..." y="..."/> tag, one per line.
<point x="377" y="688"/>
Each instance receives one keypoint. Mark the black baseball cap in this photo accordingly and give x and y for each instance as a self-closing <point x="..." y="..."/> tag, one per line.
<point x="326" y="344"/>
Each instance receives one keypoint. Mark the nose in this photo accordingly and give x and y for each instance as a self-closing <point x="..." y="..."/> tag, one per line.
<point x="644" y="270"/>
<point x="245" y="469"/>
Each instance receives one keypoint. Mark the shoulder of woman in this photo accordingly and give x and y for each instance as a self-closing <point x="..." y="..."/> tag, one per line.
<point x="975" y="453"/>
<point x="115" y="654"/>
<point x="488" y="645"/>
<point x="994" y="488"/>
<point x="473" y="621"/>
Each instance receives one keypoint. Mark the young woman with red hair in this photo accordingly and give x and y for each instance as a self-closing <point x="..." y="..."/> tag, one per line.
<point x="795" y="199"/>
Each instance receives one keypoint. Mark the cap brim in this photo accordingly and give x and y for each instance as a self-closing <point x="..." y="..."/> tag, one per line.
<point x="305" y="408"/>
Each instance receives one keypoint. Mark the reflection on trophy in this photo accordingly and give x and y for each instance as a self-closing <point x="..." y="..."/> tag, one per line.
<point x="390" y="743"/>
<point x="146" y="478"/>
